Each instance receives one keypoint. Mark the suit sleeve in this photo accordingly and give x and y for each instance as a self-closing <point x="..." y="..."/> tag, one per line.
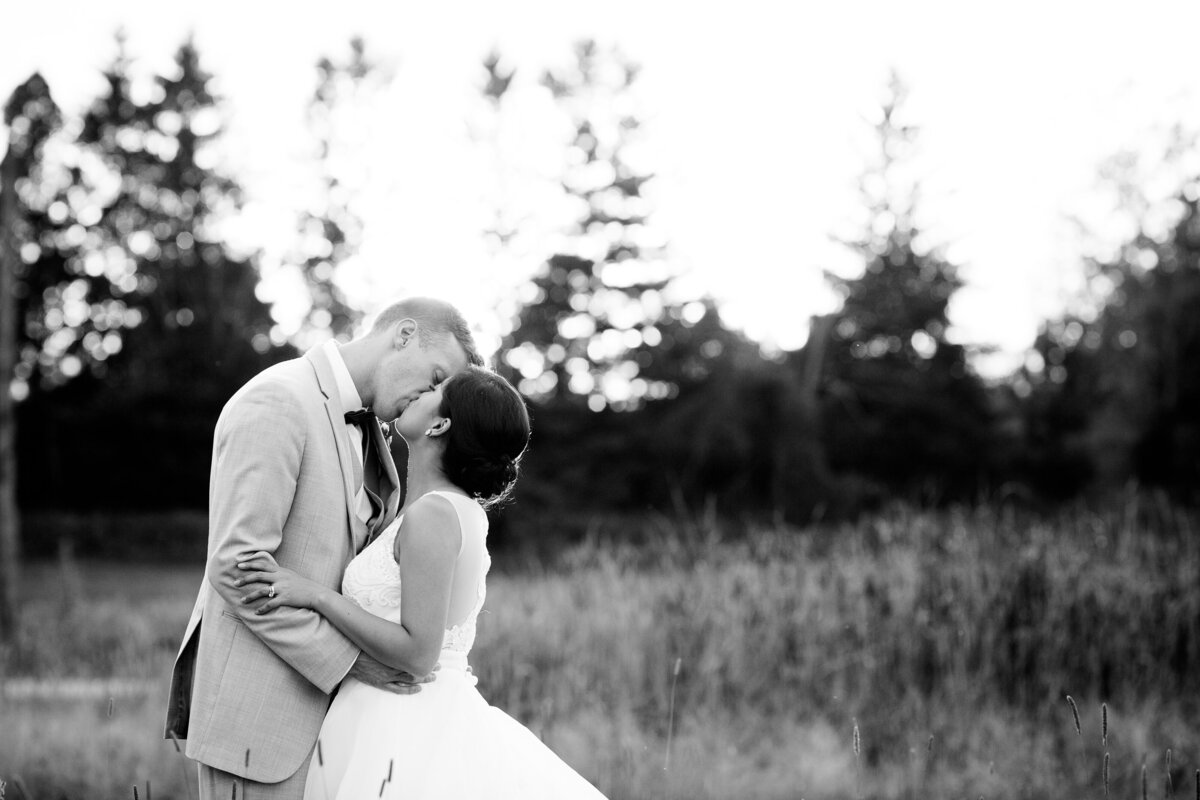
<point x="257" y="453"/>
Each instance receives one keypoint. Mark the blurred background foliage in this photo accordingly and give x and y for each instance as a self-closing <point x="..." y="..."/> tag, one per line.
<point x="860" y="532"/>
<point x="135" y="320"/>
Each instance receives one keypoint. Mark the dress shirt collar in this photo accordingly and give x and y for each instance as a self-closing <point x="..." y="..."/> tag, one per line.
<point x="351" y="400"/>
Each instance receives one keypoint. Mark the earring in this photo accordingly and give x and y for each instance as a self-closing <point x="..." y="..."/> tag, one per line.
<point x="429" y="432"/>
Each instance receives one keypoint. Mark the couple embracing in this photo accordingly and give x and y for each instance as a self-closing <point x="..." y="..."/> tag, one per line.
<point x="318" y="584"/>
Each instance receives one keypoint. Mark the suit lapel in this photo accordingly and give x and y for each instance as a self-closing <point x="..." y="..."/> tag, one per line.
<point x="341" y="436"/>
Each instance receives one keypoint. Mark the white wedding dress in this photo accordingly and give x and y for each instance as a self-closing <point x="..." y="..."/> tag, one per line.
<point x="445" y="741"/>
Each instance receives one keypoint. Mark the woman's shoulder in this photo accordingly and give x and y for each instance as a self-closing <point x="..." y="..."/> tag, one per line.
<point x="456" y="499"/>
<point x="472" y="518"/>
<point x="437" y="502"/>
<point x="431" y="524"/>
<point x="470" y="512"/>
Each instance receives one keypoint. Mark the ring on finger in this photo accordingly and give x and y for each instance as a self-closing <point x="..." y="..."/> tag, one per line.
<point x="271" y="592"/>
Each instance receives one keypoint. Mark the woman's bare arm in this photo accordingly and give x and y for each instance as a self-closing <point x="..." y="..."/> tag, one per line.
<point x="426" y="548"/>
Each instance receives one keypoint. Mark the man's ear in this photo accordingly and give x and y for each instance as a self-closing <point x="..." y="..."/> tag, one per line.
<point x="404" y="332"/>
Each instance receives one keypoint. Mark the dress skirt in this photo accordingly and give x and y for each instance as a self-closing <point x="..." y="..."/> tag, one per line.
<point x="442" y="743"/>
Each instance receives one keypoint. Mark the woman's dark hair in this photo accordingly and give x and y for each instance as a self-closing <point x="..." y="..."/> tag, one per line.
<point x="489" y="429"/>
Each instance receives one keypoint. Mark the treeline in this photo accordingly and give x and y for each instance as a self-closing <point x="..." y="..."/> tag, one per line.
<point x="645" y="402"/>
<point x="134" y="321"/>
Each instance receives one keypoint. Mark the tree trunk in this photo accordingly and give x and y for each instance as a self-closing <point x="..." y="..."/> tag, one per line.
<point x="810" y="404"/>
<point x="799" y="451"/>
<point x="10" y="523"/>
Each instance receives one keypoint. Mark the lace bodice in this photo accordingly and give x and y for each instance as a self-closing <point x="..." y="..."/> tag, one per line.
<point x="372" y="578"/>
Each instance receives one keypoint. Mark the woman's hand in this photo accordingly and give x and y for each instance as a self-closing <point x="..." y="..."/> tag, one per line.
<point x="264" y="578"/>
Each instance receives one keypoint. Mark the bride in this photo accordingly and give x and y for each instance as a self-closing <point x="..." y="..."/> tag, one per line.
<point x="410" y="600"/>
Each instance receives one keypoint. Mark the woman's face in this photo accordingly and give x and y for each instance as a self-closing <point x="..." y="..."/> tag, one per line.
<point x="421" y="414"/>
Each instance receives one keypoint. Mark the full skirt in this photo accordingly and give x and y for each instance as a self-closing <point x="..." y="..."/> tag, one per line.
<point x="444" y="742"/>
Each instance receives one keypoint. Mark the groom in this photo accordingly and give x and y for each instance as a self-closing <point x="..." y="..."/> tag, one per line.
<point x="249" y="692"/>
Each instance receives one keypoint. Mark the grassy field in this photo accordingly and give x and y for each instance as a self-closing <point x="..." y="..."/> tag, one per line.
<point x="910" y="655"/>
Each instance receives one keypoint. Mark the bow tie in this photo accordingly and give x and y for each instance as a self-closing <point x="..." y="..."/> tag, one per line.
<point x="361" y="417"/>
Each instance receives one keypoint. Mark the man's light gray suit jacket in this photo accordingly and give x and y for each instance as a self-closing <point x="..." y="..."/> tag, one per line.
<point x="249" y="692"/>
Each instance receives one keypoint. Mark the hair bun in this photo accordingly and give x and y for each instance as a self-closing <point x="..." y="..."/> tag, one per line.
<point x="486" y="476"/>
<point x="488" y="434"/>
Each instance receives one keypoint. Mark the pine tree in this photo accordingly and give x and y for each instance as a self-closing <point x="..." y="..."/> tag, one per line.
<point x="132" y="289"/>
<point x="621" y="366"/>
<point x="602" y="313"/>
<point x="200" y="327"/>
<point x="901" y="404"/>
<point x="70" y="314"/>
<point x="1114" y="393"/>
<point x="332" y="230"/>
<point x="31" y="117"/>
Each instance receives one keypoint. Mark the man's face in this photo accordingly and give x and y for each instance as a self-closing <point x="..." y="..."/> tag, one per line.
<point x="411" y="369"/>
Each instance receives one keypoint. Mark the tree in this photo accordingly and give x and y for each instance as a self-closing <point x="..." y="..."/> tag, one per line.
<point x="1114" y="392"/>
<point x="606" y="342"/>
<point x="601" y="308"/>
<point x="31" y="117"/>
<point x="199" y="310"/>
<point x="141" y="297"/>
<point x="331" y="229"/>
<point x="900" y="403"/>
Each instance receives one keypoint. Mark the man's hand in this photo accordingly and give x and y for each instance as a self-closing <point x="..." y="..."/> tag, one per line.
<point x="371" y="672"/>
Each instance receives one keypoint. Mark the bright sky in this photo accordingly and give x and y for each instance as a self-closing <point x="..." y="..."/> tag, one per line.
<point x="754" y="124"/>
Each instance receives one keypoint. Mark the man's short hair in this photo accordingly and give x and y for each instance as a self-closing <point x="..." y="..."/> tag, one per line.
<point x="435" y="319"/>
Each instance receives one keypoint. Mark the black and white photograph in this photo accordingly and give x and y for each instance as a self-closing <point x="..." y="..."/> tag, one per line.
<point x="644" y="400"/>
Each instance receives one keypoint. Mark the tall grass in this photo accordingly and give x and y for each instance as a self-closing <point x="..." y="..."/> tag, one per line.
<point x="947" y="641"/>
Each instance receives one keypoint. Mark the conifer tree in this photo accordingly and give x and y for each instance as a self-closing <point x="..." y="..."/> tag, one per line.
<point x="31" y="117"/>
<point x="331" y="230"/>
<point x="603" y="315"/>
<point x="1114" y="394"/>
<point x="901" y="404"/>
<point x="199" y="323"/>
<point x="142" y="321"/>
